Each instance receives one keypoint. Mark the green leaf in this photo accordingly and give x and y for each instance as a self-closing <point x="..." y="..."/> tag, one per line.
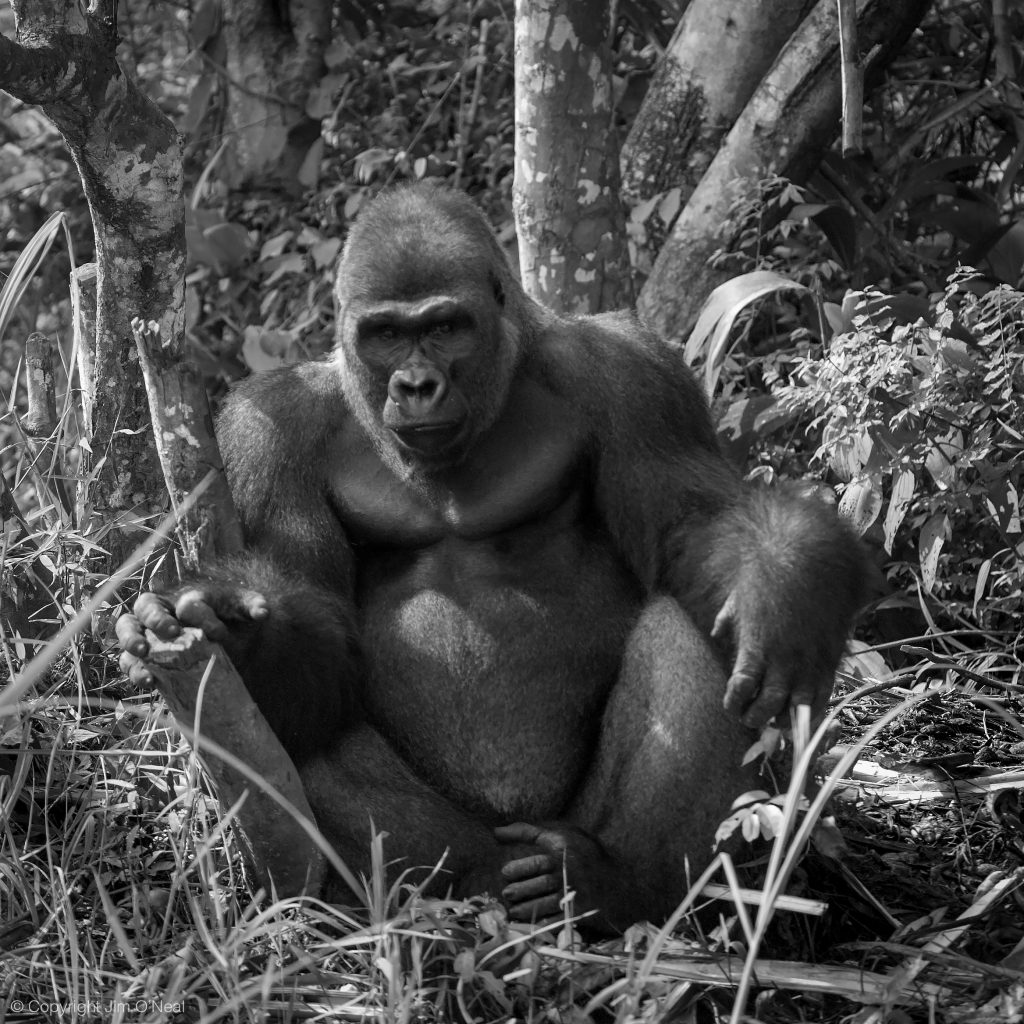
<point x="929" y="547"/>
<point x="980" y="583"/>
<point x="28" y="262"/>
<point x="230" y="244"/>
<point x="206" y="19"/>
<point x="710" y="336"/>
<point x="862" y="501"/>
<point x="864" y="662"/>
<point x="941" y="460"/>
<point x="904" y="483"/>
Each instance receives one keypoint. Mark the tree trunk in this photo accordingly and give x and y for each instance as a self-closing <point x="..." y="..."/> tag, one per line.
<point x="128" y="156"/>
<point x="789" y="122"/>
<point x="717" y="57"/>
<point x="572" y="240"/>
<point x="274" y="56"/>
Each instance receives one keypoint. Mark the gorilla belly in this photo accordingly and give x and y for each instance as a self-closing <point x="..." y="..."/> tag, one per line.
<point x="489" y="669"/>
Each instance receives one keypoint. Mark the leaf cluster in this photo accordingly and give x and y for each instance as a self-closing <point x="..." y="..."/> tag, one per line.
<point x="921" y="419"/>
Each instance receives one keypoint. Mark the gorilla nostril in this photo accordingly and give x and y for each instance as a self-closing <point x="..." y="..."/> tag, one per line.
<point x="411" y="390"/>
<point x="425" y="390"/>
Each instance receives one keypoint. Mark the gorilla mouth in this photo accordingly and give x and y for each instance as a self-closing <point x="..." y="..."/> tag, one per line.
<point x="428" y="438"/>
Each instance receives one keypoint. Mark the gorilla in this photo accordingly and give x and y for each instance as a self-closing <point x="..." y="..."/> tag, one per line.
<point x="502" y="595"/>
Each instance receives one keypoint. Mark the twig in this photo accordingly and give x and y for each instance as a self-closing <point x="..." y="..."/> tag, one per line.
<point x="474" y="102"/>
<point x="951" y="666"/>
<point x="905" y="976"/>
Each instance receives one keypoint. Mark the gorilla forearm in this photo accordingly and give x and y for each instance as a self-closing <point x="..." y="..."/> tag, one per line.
<point x="772" y="576"/>
<point x="784" y="553"/>
<point x="300" y="662"/>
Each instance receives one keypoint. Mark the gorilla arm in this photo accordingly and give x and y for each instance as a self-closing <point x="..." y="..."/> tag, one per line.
<point x="771" y="574"/>
<point x="283" y="609"/>
<point x="285" y="613"/>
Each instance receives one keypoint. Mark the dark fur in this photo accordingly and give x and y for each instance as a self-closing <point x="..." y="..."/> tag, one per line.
<point x="648" y="492"/>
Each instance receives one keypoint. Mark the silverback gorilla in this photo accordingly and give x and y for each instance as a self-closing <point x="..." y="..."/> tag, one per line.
<point x="500" y="581"/>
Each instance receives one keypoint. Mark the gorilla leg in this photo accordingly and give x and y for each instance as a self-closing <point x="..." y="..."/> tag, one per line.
<point x="667" y="765"/>
<point x="361" y="785"/>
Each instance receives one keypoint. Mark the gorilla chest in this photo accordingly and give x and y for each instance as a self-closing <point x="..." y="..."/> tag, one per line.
<point x="493" y="615"/>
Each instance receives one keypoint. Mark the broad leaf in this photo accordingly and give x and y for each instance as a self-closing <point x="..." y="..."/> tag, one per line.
<point x="710" y="335"/>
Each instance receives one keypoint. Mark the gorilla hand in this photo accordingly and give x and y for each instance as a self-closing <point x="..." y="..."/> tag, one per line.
<point x="774" y="663"/>
<point x="567" y="858"/>
<point x="218" y="609"/>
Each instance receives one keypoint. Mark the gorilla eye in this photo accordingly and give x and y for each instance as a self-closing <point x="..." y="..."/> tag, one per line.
<point x="444" y="327"/>
<point x="386" y="334"/>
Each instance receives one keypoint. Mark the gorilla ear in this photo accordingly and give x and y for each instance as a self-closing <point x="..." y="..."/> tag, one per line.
<point x="499" y="290"/>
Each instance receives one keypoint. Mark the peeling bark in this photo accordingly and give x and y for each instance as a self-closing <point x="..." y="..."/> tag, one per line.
<point x="716" y="59"/>
<point x="786" y="126"/>
<point x="572" y="247"/>
<point x="83" y="309"/>
<point x="128" y="156"/>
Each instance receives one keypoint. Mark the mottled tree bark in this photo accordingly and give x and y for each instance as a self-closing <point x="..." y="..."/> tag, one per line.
<point x="717" y="57"/>
<point x="785" y="128"/>
<point x="572" y="240"/>
<point x="274" y="56"/>
<point x="128" y="156"/>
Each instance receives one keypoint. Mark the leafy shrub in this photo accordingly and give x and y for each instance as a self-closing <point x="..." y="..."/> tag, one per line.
<point x="921" y="419"/>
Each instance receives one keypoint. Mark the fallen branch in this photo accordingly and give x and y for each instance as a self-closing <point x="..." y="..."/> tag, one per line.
<point x="849" y="982"/>
<point x="903" y="787"/>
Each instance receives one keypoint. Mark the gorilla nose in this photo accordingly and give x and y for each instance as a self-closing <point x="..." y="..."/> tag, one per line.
<point x="417" y="390"/>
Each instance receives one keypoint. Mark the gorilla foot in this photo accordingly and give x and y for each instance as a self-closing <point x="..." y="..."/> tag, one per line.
<point x="568" y="861"/>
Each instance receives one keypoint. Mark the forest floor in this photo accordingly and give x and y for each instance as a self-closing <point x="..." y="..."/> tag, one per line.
<point x="123" y="897"/>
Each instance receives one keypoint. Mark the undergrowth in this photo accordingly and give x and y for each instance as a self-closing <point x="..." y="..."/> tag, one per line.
<point x="124" y="897"/>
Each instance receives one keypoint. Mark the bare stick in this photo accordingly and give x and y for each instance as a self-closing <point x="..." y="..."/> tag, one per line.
<point x="853" y="79"/>
<point x="41" y="419"/>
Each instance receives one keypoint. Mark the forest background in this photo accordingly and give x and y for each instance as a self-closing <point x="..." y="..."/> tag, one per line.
<point x="865" y="336"/>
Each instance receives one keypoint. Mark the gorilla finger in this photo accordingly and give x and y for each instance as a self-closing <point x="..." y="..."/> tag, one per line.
<point x="528" y="867"/>
<point x="744" y="683"/>
<point x="155" y="613"/>
<point x="536" y="910"/>
<point x="254" y="604"/>
<point x="146" y="602"/>
<point x="773" y="698"/>
<point x="138" y="673"/>
<point x="518" y="832"/>
<point x="126" y="662"/>
<point x="130" y="637"/>
<point x="531" y="888"/>
<point x="193" y="610"/>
